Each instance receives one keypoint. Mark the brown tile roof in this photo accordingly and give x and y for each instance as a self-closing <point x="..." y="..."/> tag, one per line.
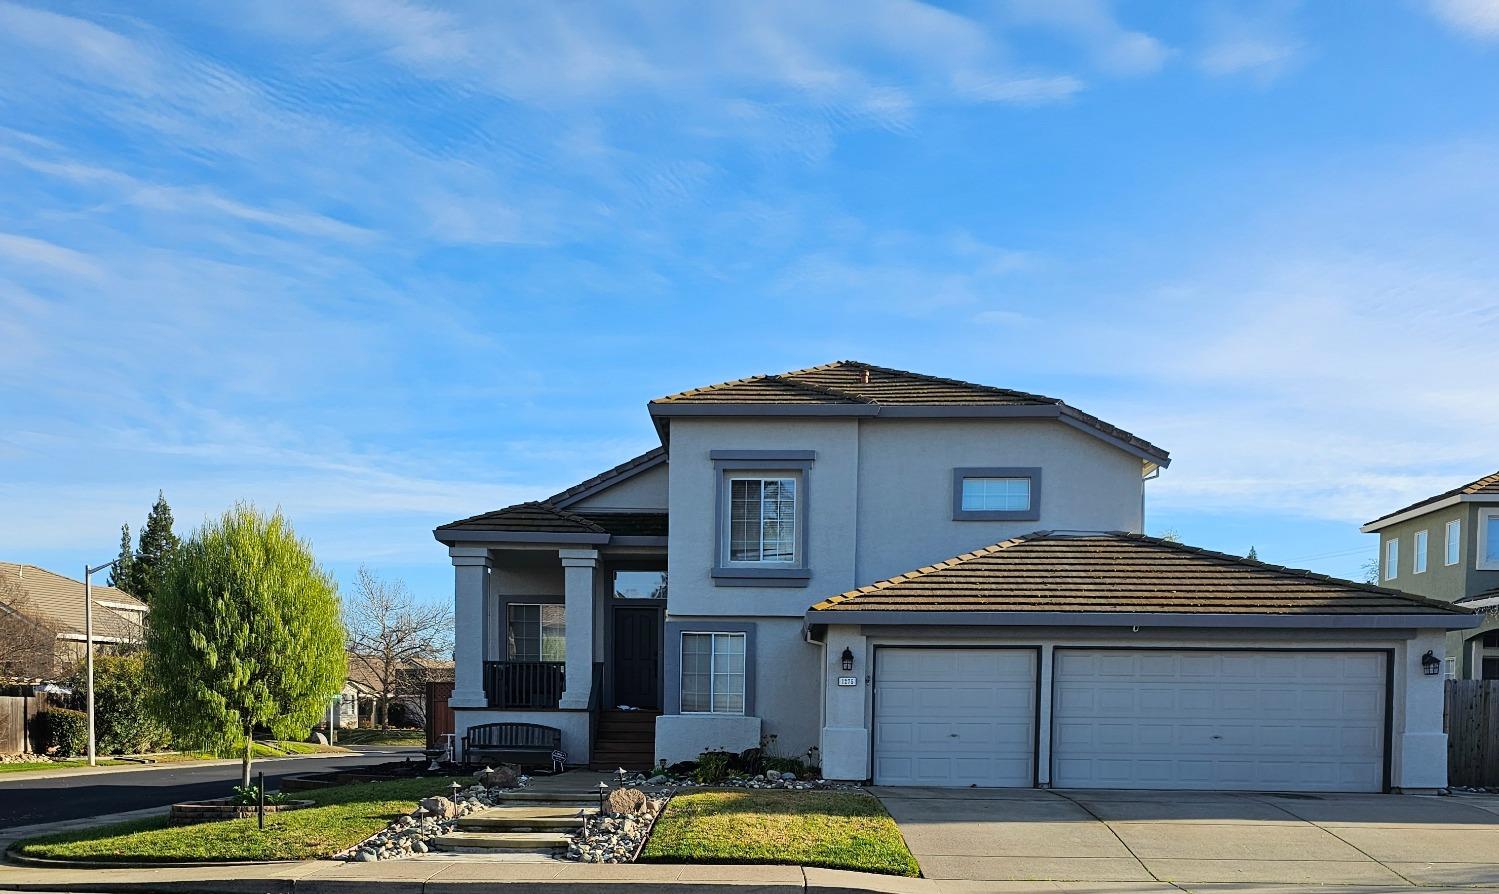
<point x="534" y="517"/>
<point x="850" y="382"/>
<point x="623" y="470"/>
<point x="1487" y="485"/>
<point x="58" y="600"/>
<point x="1119" y="572"/>
<point x="630" y="524"/>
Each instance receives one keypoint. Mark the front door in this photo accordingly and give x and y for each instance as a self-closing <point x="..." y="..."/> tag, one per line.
<point x="637" y="656"/>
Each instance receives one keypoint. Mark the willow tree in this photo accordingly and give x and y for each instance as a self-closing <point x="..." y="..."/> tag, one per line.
<point x="243" y="634"/>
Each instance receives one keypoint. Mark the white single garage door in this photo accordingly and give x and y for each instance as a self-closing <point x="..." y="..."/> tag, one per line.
<point x="955" y="717"/>
<point x="1254" y="721"/>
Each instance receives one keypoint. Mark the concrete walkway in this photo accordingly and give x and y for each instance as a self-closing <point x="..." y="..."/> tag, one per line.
<point x="1009" y="840"/>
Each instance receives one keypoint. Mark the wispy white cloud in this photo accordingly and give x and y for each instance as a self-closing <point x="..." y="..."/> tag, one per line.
<point x="1257" y="42"/>
<point x="25" y="250"/>
<point x="1114" y="48"/>
<point x="1475" y="18"/>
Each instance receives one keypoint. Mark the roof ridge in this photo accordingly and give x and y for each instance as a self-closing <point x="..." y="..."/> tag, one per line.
<point x="1472" y="487"/>
<point x="605" y="475"/>
<point x="565" y="514"/>
<point x="1010" y="392"/>
<point x="820" y="389"/>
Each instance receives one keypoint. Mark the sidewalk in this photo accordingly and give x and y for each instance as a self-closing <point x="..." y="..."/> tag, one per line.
<point x="75" y="772"/>
<point x="441" y="875"/>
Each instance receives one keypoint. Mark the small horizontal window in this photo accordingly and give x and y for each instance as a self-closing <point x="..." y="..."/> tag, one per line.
<point x="996" y="494"/>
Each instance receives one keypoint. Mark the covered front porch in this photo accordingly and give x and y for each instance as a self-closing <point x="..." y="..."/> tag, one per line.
<point x="562" y="628"/>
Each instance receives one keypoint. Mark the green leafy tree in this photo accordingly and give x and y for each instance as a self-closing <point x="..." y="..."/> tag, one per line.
<point x="126" y="723"/>
<point x="122" y="574"/>
<point x="244" y="634"/>
<point x="157" y="543"/>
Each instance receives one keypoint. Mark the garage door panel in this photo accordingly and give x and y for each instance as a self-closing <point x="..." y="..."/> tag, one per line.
<point x="966" y="717"/>
<point x="1235" y="720"/>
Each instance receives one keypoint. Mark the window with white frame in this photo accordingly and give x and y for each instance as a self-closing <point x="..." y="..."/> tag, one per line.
<point x="1454" y="542"/>
<point x="713" y="673"/>
<point x="996" y="494"/>
<point x="536" y="632"/>
<point x="1391" y="559"/>
<point x="1418" y="553"/>
<point x="1488" y="540"/>
<point x="762" y="518"/>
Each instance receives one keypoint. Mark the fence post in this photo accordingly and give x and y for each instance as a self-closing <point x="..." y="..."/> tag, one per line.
<point x="260" y="802"/>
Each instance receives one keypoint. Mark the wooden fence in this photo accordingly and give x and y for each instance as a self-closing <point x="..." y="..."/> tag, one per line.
<point x="1472" y="726"/>
<point x="439" y="715"/>
<point x="17" y="722"/>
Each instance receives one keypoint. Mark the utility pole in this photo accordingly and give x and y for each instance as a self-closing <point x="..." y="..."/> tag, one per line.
<point x="88" y="646"/>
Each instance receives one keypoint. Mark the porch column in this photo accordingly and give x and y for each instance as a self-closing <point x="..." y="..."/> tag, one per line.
<point x="1422" y="754"/>
<point x="470" y="593"/>
<point x="577" y="591"/>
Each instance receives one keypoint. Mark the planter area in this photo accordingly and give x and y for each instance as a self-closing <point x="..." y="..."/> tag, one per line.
<point x="225" y="809"/>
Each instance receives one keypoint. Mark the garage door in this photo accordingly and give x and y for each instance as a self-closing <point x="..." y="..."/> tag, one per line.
<point x="1256" y="721"/>
<point x="955" y="717"/>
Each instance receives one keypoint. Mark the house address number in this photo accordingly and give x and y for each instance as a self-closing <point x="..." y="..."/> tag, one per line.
<point x="848" y="681"/>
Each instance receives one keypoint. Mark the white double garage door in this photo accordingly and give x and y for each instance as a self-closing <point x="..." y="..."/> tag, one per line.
<point x="1271" y="720"/>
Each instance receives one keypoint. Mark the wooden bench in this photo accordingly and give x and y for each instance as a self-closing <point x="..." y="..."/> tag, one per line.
<point x="524" y="744"/>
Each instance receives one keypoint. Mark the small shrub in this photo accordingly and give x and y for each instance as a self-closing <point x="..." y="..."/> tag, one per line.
<point x="712" y="766"/>
<point x="64" y="731"/>
<point x="788" y="765"/>
<point x="248" y="796"/>
<point x="125" y="724"/>
<point x="750" y="762"/>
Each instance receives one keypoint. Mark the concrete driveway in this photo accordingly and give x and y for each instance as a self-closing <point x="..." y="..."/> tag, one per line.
<point x="1004" y="840"/>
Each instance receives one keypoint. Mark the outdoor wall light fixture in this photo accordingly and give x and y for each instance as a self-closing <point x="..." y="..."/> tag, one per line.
<point x="1431" y="665"/>
<point x="848" y="658"/>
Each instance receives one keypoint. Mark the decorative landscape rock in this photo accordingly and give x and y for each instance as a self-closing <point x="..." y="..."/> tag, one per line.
<point x="616" y="838"/>
<point x="439" y="807"/>
<point x="625" y="801"/>
<point x="504" y="776"/>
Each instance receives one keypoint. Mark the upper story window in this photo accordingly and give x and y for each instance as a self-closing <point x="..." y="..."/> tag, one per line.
<point x="1418" y="553"/>
<point x="996" y="494"/>
<point x="761" y="535"/>
<point x="1391" y="559"/>
<point x="1488" y="540"/>
<point x="762" y="518"/>
<point x="1454" y="542"/>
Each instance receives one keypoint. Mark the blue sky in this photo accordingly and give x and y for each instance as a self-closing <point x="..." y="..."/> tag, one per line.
<point x="386" y="264"/>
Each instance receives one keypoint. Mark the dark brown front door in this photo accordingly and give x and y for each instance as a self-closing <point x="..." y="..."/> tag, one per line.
<point x="637" y="656"/>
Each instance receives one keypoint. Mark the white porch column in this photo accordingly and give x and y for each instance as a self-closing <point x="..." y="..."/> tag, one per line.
<point x="577" y="590"/>
<point x="845" y="720"/>
<point x="470" y="595"/>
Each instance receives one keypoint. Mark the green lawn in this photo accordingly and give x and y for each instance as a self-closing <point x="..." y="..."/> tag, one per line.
<point x="57" y="765"/>
<point x="344" y="816"/>
<point x="414" y="737"/>
<point x="838" y="830"/>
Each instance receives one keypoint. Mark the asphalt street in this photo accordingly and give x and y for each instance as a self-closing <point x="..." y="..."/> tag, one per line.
<point x="23" y="803"/>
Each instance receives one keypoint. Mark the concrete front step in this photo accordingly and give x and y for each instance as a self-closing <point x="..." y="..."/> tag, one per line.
<point x="529" y="796"/>
<point x="531" y="819"/>
<point x="475" y="842"/>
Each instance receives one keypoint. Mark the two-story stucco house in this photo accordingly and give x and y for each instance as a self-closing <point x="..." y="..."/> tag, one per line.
<point x="924" y="581"/>
<point x="1446" y="548"/>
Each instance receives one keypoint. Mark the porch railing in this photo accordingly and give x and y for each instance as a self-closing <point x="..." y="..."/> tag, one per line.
<point x="524" y="684"/>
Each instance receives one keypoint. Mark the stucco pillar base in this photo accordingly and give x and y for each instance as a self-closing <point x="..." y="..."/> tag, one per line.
<point x="577" y="571"/>
<point x="845" y="753"/>
<point x="1423" y="762"/>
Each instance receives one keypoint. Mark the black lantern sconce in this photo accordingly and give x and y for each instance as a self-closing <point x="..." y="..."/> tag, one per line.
<point x="848" y="658"/>
<point x="1431" y="665"/>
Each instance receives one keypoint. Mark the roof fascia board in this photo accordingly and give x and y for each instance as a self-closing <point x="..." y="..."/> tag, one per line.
<point x="1426" y="509"/>
<point x="1157" y="459"/>
<point x="451" y="536"/>
<point x="610" y="482"/>
<point x="1452" y="621"/>
<point x="637" y="540"/>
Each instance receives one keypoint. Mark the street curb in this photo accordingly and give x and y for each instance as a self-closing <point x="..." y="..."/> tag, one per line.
<point x="15" y="859"/>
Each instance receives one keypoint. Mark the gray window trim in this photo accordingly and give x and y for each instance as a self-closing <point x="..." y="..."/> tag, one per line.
<point x="672" y="702"/>
<point x="798" y="575"/>
<point x="961" y="514"/>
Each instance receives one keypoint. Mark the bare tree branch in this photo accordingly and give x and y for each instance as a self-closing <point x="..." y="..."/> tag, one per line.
<point x="393" y="637"/>
<point x="28" y="643"/>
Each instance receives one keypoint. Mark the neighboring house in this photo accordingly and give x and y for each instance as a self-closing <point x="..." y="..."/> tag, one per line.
<point x="924" y="581"/>
<point x="56" y="602"/>
<point x="360" y="697"/>
<point x="1446" y="547"/>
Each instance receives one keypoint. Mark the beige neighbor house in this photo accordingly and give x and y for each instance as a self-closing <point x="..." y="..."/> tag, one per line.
<point x="920" y="581"/>
<point x="359" y="700"/>
<point x="55" y="602"/>
<point x="1446" y="547"/>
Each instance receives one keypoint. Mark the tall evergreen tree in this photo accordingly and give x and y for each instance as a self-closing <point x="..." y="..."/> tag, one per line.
<point x="1252" y="554"/>
<point x="157" y="543"/>
<point x="121" y="576"/>
<point x="244" y="634"/>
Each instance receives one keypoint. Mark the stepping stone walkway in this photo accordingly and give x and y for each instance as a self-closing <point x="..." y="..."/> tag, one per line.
<point x="525" y="822"/>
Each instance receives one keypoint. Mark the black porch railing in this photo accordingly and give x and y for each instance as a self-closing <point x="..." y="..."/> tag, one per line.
<point x="524" y="684"/>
